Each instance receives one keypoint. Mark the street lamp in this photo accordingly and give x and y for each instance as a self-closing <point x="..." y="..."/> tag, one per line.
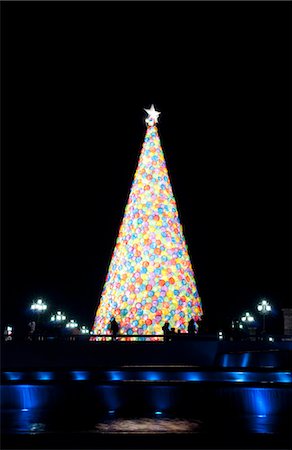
<point x="39" y="306"/>
<point x="72" y="324"/>
<point x="58" y="317"/>
<point x="247" y="318"/>
<point x="248" y="322"/>
<point x="84" y="330"/>
<point x="264" y="308"/>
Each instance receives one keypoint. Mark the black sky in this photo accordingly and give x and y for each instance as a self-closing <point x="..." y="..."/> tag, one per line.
<point x="75" y="79"/>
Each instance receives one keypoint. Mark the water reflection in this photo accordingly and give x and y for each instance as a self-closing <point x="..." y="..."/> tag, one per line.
<point x="24" y="421"/>
<point x="262" y="423"/>
<point x="37" y="427"/>
<point x="148" y="426"/>
<point x="107" y="408"/>
<point x="37" y="421"/>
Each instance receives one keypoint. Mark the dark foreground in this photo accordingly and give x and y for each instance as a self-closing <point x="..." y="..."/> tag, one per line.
<point x="87" y="440"/>
<point x="105" y="398"/>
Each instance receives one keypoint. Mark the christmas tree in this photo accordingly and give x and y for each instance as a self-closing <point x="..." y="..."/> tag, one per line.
<point x="150" y="278"/>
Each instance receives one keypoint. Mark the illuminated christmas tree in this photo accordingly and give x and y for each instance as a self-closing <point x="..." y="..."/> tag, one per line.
<point x="150" y="278"/>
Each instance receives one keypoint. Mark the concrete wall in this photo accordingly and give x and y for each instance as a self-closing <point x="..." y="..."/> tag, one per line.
<point x="53" y="354"/>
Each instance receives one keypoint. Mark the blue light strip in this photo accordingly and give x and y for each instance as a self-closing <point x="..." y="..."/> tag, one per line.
<point x="196" y="376"/>
<point x="116" y="375"/>
<point x="44" y="376"/>
<point x="79" y="375"/>
<point x="13" y="376"/>
<point x="160" y="376"/>
<point x="284" y="377"/>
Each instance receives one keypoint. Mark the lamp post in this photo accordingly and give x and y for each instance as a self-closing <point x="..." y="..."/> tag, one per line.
<point x="247" y="318"/>
<point x="248" y="322"/>
<point x="72" y="324"/>
<point x="84" y="330"/>
<point x="58" y="317"/>
<point x="38" y="307"/>
<point x="57" y="321"/>
<point x="264" y="308"/>
<point x="72" y="328"/>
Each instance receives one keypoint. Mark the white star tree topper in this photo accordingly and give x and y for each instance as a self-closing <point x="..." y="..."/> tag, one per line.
<point x="152" y="115"/>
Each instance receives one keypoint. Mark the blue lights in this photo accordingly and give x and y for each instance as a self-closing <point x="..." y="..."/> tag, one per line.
<point x="257" y="408"/>
<point x="44" y="376"/>
<point x="151" y="376"/>
<point x="193" y="376"/>
<point x="223" y="376"/>
<point x="234" y="376"/>
<point x="236" y="359"/>
<point x="225" y="360"/>
<point x="262" y="402"/>
<point x="245" y="360"/>
<point x="79" y="375"/>
<point x="116" y="375"/>
<point x="263" y="406"/>
<point x="238" y="377"/>
<point x="161" y="398"/>
<point x="254" y="377"/>
<point x="284" y="377"/>
<point x="28" y="396"/>
<point x="252" y="359"/>
<point x="232" y="360"/>
<point x="14" y="376"/>
<point x="109" y="396"/>
<point x="261" y="423"/>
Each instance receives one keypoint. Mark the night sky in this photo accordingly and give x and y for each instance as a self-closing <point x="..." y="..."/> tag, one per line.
<point x="75" y="79"/>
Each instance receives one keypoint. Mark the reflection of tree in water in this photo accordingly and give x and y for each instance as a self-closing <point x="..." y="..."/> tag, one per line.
<point x="148" y="425"/>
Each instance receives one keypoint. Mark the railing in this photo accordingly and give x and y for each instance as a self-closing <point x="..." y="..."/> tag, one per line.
<point x="149" y="337"/>
<point x="42" y="337"/>
<point x="128" y="338"/>
<point x="183" y="337"/>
